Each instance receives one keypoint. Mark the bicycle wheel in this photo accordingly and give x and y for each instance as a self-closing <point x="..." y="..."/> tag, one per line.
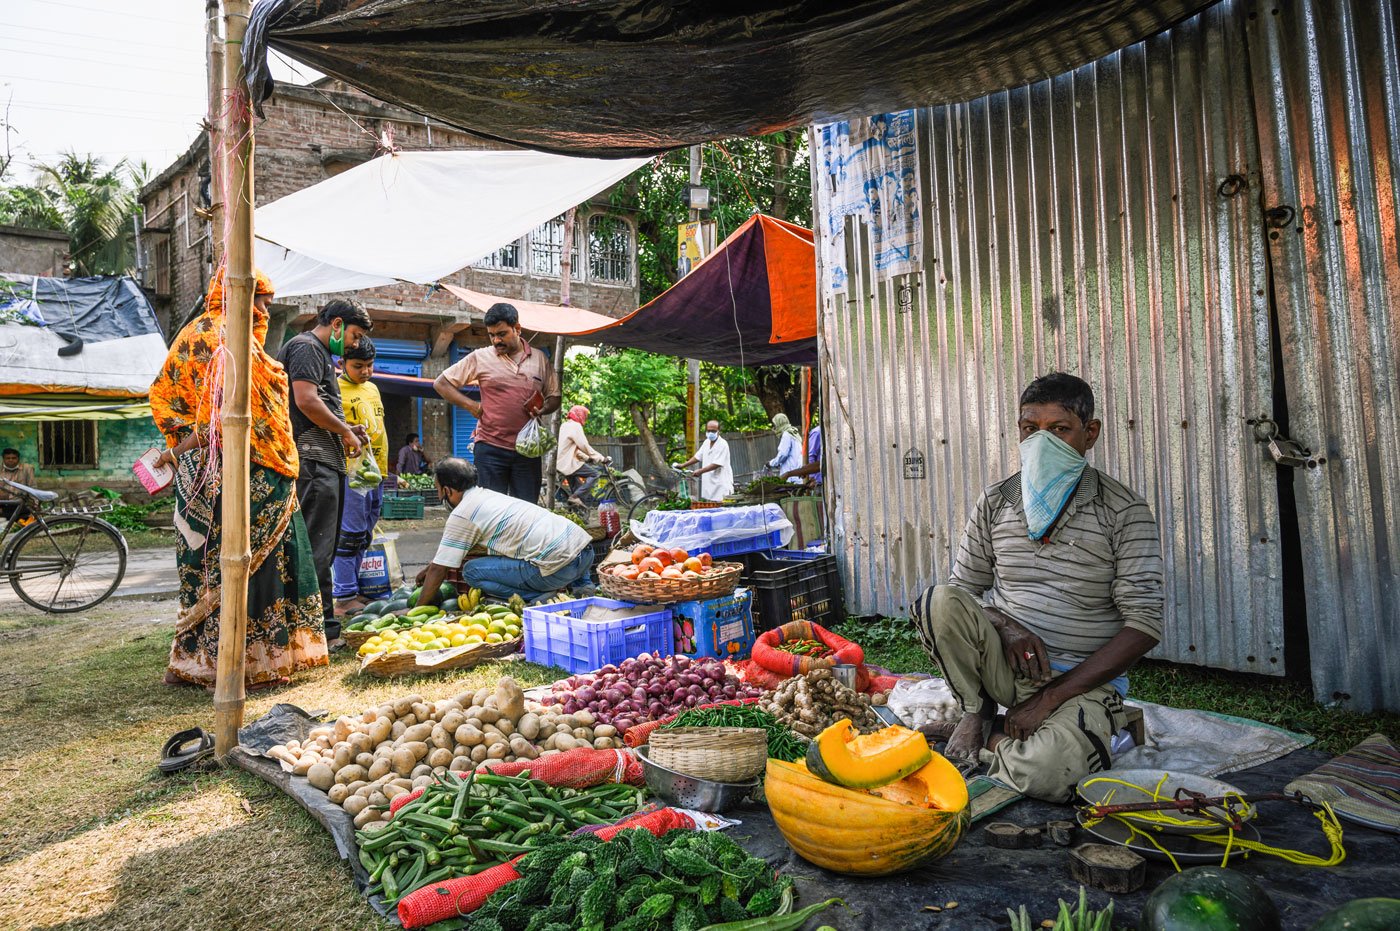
<point x="645" y="506"/>
<point x="66" y="564"/>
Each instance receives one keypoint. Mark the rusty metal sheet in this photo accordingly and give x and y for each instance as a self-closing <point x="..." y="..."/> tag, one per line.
<point x="1328" y="95"/>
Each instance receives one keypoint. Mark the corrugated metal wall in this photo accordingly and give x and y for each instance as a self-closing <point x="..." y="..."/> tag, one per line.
<point x="1120" y="222"/>
<point x="1077" y="224"/>
<point x="1327" y="78"/>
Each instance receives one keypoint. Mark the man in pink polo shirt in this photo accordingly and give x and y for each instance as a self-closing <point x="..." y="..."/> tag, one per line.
<point x="516" y="383"/>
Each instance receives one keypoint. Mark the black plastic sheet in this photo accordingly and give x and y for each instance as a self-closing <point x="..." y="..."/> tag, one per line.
<point x="98" y="308"/>
<point x="632" y="77"/>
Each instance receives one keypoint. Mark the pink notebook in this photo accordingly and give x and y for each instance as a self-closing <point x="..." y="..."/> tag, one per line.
<point x="152" y="477"/>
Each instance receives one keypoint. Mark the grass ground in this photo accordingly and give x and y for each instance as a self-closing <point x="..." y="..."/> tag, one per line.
<point x="92" y="836"/>
<point x="891" y="643"/>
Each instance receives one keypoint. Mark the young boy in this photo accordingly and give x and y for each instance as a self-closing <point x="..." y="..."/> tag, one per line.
<point x="363" y="407"/>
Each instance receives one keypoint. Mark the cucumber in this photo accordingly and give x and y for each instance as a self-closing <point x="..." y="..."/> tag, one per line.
<point x="375" y="607"/>
<point x="423" y="611"/>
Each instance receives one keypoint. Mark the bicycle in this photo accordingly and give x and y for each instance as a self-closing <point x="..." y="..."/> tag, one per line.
<point x="59" y="561"/>
<point x="625" y="488"/>
<point x="651" y="502"/>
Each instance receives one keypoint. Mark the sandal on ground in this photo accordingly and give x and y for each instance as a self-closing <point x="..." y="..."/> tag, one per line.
<point x="185" y="749"/>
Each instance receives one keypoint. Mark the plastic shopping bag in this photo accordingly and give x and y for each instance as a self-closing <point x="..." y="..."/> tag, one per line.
<point x="534" y="440"/>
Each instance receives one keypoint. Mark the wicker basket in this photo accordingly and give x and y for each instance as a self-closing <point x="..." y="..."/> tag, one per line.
<point x="719" y="581"/>
<point x="385" y="665"/>
<point x="719" y="754"/>
<point x="355" y="639"/>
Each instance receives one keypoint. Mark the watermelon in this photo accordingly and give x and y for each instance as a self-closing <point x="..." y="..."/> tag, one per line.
<point x="1209" y="898"/>
<point x="1362" y="915"/>
<point x="375" y="607"/>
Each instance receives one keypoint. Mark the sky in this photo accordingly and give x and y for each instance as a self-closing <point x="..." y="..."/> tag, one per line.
<point x="114" y="78"/>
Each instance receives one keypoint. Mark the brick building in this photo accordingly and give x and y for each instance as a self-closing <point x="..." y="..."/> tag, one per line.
<point x="314" y="132"/>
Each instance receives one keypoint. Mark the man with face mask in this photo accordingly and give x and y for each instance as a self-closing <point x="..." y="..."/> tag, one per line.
<point x="716" y="475"/>
<point x="323" y="438"/>
<point x="1055" y="594"/>
<point x="516" y="383"/>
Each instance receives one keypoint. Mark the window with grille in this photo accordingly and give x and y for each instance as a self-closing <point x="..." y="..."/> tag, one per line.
<point x="504" y="259"/>
<point x="547" y="246"/>
<point x="609" y="249"/>
<point x="68" y="444"/>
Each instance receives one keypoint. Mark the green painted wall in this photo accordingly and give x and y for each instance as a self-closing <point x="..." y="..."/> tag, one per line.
<point x="119" y="443"/>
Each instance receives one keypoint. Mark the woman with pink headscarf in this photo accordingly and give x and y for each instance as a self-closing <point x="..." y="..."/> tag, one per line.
<point x="575" y="457"/>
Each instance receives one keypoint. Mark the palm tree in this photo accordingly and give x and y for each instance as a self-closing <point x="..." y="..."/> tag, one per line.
<point x="94" y="205"/>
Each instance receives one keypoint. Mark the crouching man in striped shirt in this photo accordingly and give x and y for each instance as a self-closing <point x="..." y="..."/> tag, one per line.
<point x="533" y="552"/>
<point x="1055" y="594"/>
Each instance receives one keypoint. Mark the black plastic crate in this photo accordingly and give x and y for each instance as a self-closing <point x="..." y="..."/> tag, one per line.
<point x="793" y="590"/>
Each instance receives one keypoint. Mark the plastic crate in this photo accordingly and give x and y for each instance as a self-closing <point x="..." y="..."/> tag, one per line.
<point x="429" y="497"/>
<point x="794" y="587"/>
<point x="553" y="638"/>
<point x="767" y="541"/>
<point x="402" y="508"/>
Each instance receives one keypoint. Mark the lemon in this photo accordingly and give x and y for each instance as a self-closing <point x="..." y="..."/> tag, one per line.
<point x="459" y="640"/>
<point x="473" y="640"/>
<point x="513" y="630"/>
<point x="494" y="637"/>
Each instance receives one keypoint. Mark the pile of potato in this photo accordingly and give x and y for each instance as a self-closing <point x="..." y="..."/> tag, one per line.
<point x="362" y="762"/>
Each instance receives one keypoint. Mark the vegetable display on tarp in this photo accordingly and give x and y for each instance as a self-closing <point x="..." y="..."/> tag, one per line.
<point x="811" y="703"/>
<point x="463" y="826"/>
<point x="646" y="688"/>
<point x="363" y="762"/>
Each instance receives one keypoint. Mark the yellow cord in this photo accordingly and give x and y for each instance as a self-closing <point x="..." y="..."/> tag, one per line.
<point x="1136" y="821"/>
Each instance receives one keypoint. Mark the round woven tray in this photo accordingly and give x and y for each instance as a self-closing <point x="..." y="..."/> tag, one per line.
<point x="719" y="580"/>
<point x="719" y="754"/>
<point x="411" y="662"/>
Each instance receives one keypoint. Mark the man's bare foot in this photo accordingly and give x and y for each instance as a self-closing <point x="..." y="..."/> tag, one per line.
<point x="966" y="739"/>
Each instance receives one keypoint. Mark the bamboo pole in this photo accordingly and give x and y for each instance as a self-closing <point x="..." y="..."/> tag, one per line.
<point x="235" y="558"/>
<point x="214" y="51"/>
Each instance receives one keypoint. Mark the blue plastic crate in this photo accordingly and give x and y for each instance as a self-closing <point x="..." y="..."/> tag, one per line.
<point x="767" y="541"/>
<point x="553" y="638"/>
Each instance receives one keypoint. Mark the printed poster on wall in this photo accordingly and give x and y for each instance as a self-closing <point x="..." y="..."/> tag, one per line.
<point x="868" y="169"/>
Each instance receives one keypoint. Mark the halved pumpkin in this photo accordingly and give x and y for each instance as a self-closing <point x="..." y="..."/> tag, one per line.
<point x="858" y="832"/>
<point x="841" y="755"/>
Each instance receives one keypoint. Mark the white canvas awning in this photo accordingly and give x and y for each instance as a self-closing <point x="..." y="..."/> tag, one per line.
<point x="417" y="216"/>
<point x="113" y="368"/>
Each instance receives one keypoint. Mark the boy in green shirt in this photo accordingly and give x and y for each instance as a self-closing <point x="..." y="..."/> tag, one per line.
<point x="363" y="495"/>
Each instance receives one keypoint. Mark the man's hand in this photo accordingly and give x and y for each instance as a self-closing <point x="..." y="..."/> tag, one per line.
<point x="1025" y="718"/>
<point x="351" y="440"/>
<point x="1025" y="652"/>
<point x="422" y="574"/>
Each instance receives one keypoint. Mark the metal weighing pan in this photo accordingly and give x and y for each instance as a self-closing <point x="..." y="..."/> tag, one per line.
<point x="1095" y="793"/>
<point x="1185" y="849"/>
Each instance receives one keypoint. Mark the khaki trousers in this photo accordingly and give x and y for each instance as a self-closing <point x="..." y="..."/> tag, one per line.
<point x="1072" y="743"/>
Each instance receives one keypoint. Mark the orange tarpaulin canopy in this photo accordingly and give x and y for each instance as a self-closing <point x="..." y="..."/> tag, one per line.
<point x="753" y="301"/>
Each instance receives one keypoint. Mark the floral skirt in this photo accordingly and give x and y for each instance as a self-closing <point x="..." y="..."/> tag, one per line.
<point x="285" y="628"/>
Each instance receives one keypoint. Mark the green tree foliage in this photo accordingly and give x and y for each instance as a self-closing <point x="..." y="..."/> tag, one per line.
<point x="92" y="203"/>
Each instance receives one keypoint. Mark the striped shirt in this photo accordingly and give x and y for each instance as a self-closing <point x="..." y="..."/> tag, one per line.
<point x="1099" y="571"/>
<point x="508" y="526"/>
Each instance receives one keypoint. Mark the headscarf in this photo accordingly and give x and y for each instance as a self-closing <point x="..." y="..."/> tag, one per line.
<point x="578" y="414"/>
<point x="188" y="393"/>
<point x="782" y="425"/>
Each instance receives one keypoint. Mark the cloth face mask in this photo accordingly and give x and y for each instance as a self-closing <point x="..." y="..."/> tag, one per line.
<point x="1050" y="471"/>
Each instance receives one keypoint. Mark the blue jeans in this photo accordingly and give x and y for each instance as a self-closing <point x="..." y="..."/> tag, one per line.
<point x="508" y="472"/>
<point x="357" y="522"/>
<point x="503" y="576"/>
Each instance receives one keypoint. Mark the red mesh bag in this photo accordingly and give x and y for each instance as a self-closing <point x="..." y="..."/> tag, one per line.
<point x="573" y="769"/>
<point x="462" y="896"/>
<point x="639" y="734"/>
<point x="766" y="653"/>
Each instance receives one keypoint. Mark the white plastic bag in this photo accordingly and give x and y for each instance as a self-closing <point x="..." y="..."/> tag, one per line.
<point x="534" y="440"/>
<point x="924" y="703"/>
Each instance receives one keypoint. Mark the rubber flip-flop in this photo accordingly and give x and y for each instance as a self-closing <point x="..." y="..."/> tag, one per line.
<point x="186" y="749"/>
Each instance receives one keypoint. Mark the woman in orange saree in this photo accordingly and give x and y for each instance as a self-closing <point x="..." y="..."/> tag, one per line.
<point x="285" y="629"/>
